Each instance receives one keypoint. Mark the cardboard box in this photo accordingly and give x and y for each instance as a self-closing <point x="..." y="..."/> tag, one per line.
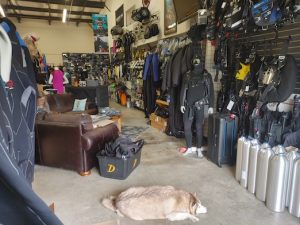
<point x="158" y="122"/>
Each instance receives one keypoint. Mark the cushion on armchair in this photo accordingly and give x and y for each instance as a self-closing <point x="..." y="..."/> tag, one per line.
<point x="79" y="105"/>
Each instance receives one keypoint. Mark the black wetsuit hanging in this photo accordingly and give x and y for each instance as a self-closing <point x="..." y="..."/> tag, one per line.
<point x="19" y="103"/>
<point x="177" y="66"/>
<point x="19" y="204"/>
<point x="196" y="92"/>
<point x="150" y="81"/>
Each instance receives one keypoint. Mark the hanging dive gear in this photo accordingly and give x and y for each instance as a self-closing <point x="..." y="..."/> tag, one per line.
<point x="197" y="32"/>
<point x="283" y="71"/>
<point x="243" y="71"/>
<point x="266" y="13"/>
<point x="141" y="14"/>
<point x="151" y="31"/>
<point x="116" y="30"/>
<point x="236" y="15"/>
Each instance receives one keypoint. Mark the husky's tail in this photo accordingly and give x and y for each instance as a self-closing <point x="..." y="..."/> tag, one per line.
<point x="110" y="203"/>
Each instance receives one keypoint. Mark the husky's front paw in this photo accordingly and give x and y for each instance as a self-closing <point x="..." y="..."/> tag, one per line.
<point x="195" y="219"/>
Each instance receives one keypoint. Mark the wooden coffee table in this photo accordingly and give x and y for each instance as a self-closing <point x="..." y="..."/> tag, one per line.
<point x="118" y="121"/>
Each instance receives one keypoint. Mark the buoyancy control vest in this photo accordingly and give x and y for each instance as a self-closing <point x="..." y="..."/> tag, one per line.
<point x="283" y="72"/>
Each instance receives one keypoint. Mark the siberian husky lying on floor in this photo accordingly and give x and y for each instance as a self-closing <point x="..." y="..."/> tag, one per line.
<point x="156" y="202"/>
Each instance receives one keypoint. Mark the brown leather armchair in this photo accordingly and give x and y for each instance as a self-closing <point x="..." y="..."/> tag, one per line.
<point x="63" y="103"/>
<point x="69" y="141"/>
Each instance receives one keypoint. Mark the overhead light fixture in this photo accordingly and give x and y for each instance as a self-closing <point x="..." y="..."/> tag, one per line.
<point x="171" y="25"/>
<point x="2" y="11"/>
<point x="64" y="17"/>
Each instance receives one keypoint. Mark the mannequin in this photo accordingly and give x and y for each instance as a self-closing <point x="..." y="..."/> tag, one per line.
<point x="196" y="92"/>
<point x="58" y="79"/>
<point x="67" y="74"/>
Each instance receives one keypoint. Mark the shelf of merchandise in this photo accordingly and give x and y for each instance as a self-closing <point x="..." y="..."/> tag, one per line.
<point x="96" y="64"/>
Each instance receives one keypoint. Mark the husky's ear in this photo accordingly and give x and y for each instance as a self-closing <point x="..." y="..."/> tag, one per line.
<point x="193" y="205"/>
<point x="195" y="195"/>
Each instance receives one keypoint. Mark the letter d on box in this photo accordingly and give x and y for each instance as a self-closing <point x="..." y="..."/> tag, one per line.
<point x="111" y="168"/>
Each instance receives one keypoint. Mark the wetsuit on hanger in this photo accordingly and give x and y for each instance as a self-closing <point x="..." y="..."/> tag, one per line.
<point x="150" y="81"/>
<point x="18" y="204"/>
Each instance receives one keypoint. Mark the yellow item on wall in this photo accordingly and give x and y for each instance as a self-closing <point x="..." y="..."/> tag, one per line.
<point x="243" y="71"/>
<point x="117" y="71"/>
<point x="109" y="73"/>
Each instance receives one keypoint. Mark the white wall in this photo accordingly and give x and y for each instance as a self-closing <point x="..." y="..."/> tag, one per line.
<point x="155" y="6"/>
<point x="58" y="37"/>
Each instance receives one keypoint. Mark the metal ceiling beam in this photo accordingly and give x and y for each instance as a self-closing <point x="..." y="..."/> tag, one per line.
<point x="83" y="8"/>
<point x="59" y="11"/>
<point x="47" y="18"/>
<point x="80" y="3"/>
<point x="9" y="3"/>
<point x="49" y="11"/>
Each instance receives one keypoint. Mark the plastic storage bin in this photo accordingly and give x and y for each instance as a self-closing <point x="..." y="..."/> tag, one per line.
<point x="116" y="168"/>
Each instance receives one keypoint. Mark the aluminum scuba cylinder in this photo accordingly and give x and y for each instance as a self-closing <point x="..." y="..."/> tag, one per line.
<point x="239" y="155"/>
<point x="292" y="155"/>
<point x="294" y="204"/>
<point x="254" y="149"/>
<point x="277" y="180"/>
<point x="245" y="163"/>
<point x="263" y="157"/>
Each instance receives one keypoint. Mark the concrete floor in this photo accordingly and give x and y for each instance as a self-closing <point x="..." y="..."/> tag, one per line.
<point x="77" y="199"/>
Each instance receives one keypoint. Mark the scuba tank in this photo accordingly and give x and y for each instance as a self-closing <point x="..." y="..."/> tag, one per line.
<point x="254" y="149"/>
<point x="277" y="180"/>
<point x="245" y="163"/>
<point x="292" y="155"/>
<point x="294" y="205"/>
<point x="239" y="155"/>
<point x="263" y="157"/>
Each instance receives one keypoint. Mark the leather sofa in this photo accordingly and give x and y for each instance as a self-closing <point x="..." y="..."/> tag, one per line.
<point x="63" y="103"/>
<point x="69" y="141"/>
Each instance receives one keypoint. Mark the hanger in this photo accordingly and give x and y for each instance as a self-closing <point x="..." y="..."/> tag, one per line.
<point x="5" y="55"/>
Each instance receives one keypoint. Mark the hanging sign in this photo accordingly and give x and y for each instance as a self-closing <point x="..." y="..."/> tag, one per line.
<point x="100" y="29"/>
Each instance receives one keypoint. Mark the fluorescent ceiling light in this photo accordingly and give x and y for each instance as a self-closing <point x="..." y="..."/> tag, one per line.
<point x="64" y="17"/>
<point x="172" y="25"/>
<point x="2" y="11"/>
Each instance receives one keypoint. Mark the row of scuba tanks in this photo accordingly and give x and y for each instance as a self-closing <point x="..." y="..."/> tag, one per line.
<point x="272" y="174"/>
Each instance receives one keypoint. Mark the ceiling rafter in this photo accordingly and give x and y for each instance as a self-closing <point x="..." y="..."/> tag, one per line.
<point x="83" y="8"/>
<point x="49" y="11"/>
<point x="15" y="11"/>
<point x="79" y="3"/>
<point x="47" y="18"/>
<point x="34" y="9"/>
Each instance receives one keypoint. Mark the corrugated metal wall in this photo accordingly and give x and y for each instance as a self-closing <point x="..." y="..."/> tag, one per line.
<point x="268" y="36"/>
